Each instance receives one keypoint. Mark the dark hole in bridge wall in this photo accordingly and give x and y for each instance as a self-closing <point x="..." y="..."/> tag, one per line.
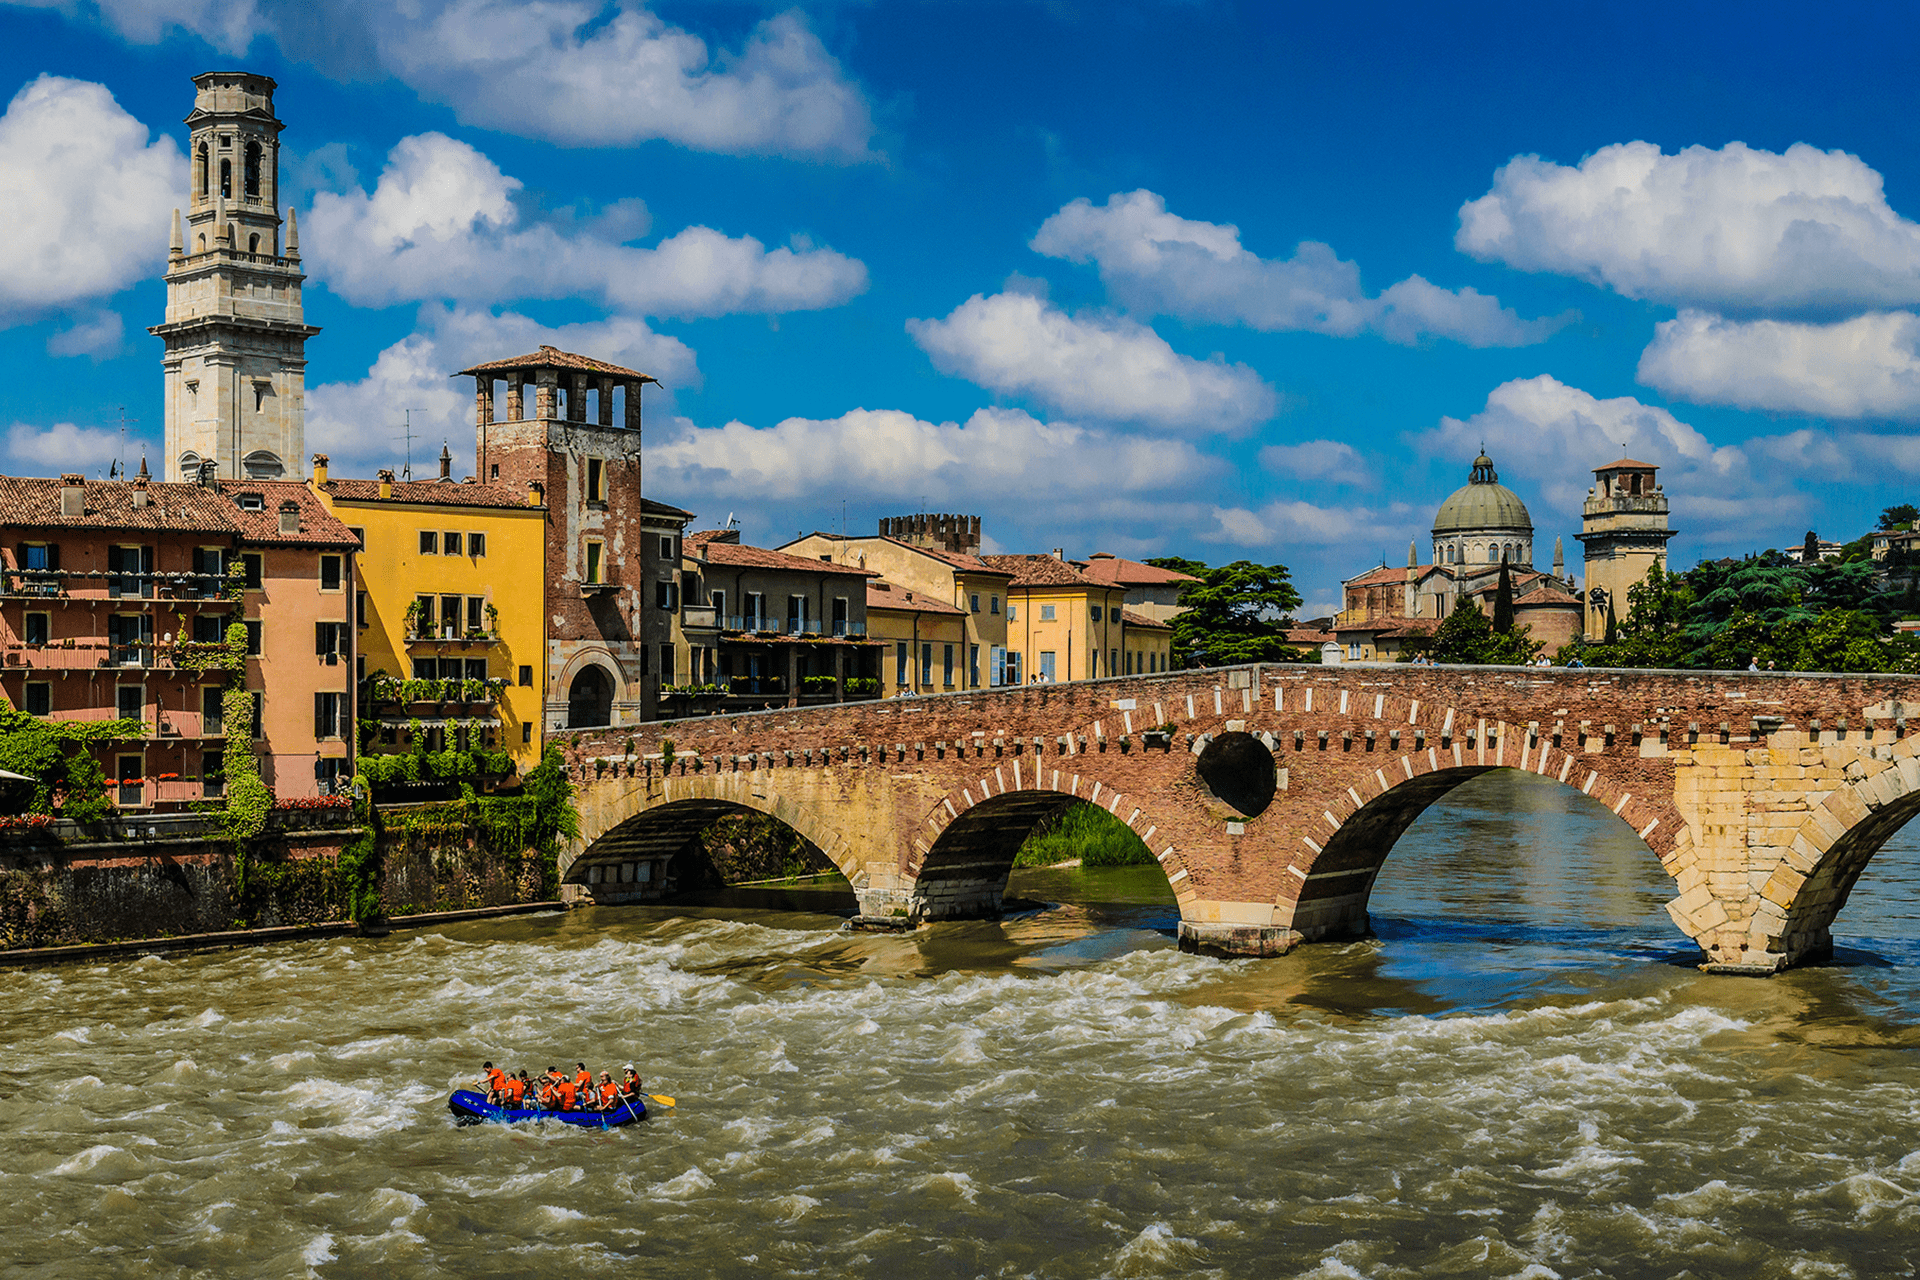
<point x="1239" y="772"/>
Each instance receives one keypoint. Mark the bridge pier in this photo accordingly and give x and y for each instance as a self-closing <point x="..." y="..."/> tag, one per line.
<point x="1237" y="941"/>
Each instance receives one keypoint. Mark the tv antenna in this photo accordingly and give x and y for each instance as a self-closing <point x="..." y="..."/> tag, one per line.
<point x="118" y="468"/>
<point x="406" y="472"/>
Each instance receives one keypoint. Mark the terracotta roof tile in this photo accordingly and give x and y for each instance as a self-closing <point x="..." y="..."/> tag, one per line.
<point x="882" y="595"/>
<point x="318" y="526"/>
<point x="438" y="493"/>
<point x="1039" y="571"/>
<point x="1133" y="619"/>
<point x="707" y="544"/>
<point x="1119" y="571"/>
<point x="1625" y="463"/>
<point x="109" y="505"/>
<point x="1545" y="596"/>
<point x="554" y="358"/>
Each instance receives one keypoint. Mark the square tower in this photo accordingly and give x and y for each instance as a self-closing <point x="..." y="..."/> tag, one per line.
<point x="610" y="594"/>
<point x="1623" y="527"/>
<point x="235" y="328"/>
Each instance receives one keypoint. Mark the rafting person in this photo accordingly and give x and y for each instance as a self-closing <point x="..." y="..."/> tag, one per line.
<point x="630" y="1085"/>
<point x="516" y="1091"/>
<point x="567" y="1094"/>
<point x="545" y="1095"/>
<point x="583" y="1080"/>
<point x="609" y="1092"/>
<point x="495" y="1081"/>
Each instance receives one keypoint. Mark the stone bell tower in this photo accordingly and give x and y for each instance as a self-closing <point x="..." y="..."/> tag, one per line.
<point x="1623" y="527"/>
<point x="235" y="329"/>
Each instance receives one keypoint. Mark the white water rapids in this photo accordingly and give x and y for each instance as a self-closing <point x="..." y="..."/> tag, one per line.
<point x="1494" y="1086"/>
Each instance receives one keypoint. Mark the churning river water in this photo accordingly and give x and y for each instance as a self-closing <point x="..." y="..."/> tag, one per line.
<point x="1521" y="1075"/>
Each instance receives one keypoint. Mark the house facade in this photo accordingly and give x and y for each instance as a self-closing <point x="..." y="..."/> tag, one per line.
<point x="1066" y="626"/>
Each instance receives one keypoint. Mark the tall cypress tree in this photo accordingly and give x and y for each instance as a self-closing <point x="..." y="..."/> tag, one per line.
<point x="1503" y="604"/>
<point x="1613" y="629"/>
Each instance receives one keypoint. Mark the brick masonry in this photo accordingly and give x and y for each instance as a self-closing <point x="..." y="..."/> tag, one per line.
<point x="1762" y="795"/>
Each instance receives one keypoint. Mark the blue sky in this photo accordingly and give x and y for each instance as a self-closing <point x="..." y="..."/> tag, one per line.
<point x="1193" y="278"/>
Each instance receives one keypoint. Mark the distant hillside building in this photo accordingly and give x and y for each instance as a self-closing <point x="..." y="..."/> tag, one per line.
<point x="1152" y="592"/>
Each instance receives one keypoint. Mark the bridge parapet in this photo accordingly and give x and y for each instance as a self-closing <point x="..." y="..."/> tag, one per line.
<point x="1731" y="779"/>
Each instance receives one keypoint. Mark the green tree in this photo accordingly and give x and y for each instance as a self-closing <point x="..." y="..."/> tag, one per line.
<point x="1234" y="613"/>
<point x="86" y="789"/>
<point x="1899" y="516"/>
<point x="1503" y="602"/>
<point x="1467" y="636"/>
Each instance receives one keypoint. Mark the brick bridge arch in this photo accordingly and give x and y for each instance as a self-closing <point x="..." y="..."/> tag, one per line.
<point x="918" y="800"/>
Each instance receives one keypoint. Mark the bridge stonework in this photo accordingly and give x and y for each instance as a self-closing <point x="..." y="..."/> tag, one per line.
<point x="1272" y="795"/>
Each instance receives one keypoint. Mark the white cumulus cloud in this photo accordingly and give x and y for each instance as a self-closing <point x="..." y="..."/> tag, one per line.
<point x="1866" y="367"/>
<point x="1109" y="368"/>
<point x="87" y="197"/>
<point x="227" y="25"/>
<point x="442" y="222"/>
<point x="1157" y="262"/>
<point x="98" y="335"/>
<point x="65" y="447"/>
<point x="1280" y="526"/>
<point x="1735" y="230"/>
<point x="556" y="71"/>
<point x="1330" y="460"/>
<point x="1550" y="436"/>
<point x="360" y="423"/>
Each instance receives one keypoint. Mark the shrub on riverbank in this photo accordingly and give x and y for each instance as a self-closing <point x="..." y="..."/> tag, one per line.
<point x="1086" y="832"/>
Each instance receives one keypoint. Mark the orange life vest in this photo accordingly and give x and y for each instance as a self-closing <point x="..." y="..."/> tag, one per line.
<point x="566" y="1092"/>
<point x="516" y="1091"/>
<point x="546" y="1095"/>
<point x="496" y="1079"/>
<point x="584" y="1080"/>
<point x="608" y="1092"/>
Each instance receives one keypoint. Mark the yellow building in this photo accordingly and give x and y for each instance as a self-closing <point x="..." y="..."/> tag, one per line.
<point x="933" y="556"/>
<point x="452" y="590"/>
<point x="923" y="640"/>
<point x="1063" y="625"/>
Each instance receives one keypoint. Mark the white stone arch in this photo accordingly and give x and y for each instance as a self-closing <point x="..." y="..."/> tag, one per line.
<point x="262" y="464"/>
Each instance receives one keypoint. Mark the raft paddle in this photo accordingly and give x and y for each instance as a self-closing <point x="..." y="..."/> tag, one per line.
<point x="662" y="1099"/>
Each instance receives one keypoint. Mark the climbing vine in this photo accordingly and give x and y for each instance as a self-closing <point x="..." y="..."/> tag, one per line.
<point x="58" y="755"/>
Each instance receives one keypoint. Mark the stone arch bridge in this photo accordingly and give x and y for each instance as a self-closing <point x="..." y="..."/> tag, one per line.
<point x="1272" y="794"/>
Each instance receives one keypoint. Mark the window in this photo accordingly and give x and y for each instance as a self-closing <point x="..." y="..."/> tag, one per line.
<point x="426" y="668"/>
<point x="993" y="606"/>
<point x="133" y="567"/>
<point x="329" y="715"/>
<point x="39" y="628"/>
<point x="667" y="667"/>
<point x="1046" y="613"/>
<point x="330" y="640"/>
<point x="253" y="638"/>
<point x="250" y="562"/>
<point x="839" y="615"/>
<point x="360" y="608"/>
<point x="526" y="733"/>
<point x="594" y="567"/>
<point x="131" y="635"/>
<point x="423" y="624"/>
<point x="212" y="711"/>
<point x="251" y="172"/>
<point x="663" y="595"/>
<point x="450" y="544"/>
<point x="526" y="676"/>
<point x="41" y="560"/>
<point x="213" y="774"/>
<point x="127" y="770"/>
<point x="1013" y="668"/>
<point x="477" y="545"/>
<point x="797" y="614"/>
<point x="976" y="602"/>
<point x="476" y="615"/>
<point x="1094" y="613"/>
<point x="130" y="701"/>
<point x="718" y="599"/>
<point x="329" y="573"/>
<point x="947" y="668"/>
<point x="1011" y="615"/>
<point x="756" y="609"/>
<point x="250" y="502"/>
<point x="973" y="666"/>
<point x="429" y="542"/>
<point x="900" y="663"/>
<point x="39" y="699"/>
<point x="209" y="567"/>
<point x="493" y="473"/>
<point x="596" y="480"/>
<point x="999" y="669"/>
<point x="926" y="665"/>
<point x="449" y="616"/>
<point x="1113" y="660"/>
<point x="666" y="547"/>
<point x="1047" y="665"/>
<point x="360" y="535"/>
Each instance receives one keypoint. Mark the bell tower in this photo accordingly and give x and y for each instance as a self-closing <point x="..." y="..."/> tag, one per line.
<point x="1623" y="527"/>
<point x="235" y="328"/>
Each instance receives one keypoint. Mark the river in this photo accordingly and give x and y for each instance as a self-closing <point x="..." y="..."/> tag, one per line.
<point x="1521" y="1075"/>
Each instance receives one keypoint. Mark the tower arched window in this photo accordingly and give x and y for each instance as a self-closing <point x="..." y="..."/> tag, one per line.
<point x="253" y="244"/>
<point x="252" y="173"/>
<point x="201" y="177"/>
<point x="226" y="179"/>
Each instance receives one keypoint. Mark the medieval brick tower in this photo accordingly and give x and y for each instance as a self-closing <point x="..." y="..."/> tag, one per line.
<point x="235" y="331"/>
<point x="1623" y="527"/>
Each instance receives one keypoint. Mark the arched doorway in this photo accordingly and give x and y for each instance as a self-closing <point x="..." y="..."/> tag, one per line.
<point x="590" y="698"/>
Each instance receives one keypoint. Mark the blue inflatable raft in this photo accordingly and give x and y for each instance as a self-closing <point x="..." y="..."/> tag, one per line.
<point x="469" y="1107"/>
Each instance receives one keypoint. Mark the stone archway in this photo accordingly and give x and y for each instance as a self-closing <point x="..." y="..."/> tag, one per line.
<point x="590" y="698"/>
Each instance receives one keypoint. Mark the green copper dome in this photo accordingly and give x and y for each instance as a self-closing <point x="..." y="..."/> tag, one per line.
<point x="1484" y="503"/>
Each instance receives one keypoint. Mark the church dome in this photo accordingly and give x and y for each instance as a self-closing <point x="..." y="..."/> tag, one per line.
<point x="1482" y="503"/>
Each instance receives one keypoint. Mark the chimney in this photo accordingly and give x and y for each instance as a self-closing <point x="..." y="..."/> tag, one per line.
<point x="289" y="516"/>
<point x="385" y="475"/>
<point x="209" y="471"/>
<point x="73" y="495"/>
<point x="320" y="461"/>
<point x="140" y="489"/>
<point x="1059" y="553"/>
<point x="446" y="462"/>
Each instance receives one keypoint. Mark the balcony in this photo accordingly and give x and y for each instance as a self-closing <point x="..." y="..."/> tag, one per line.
<point x="208" y="588"/>
<point x="388" y="690"/>
<point x="452" y="635"/>
<point x="844" y="627"/>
